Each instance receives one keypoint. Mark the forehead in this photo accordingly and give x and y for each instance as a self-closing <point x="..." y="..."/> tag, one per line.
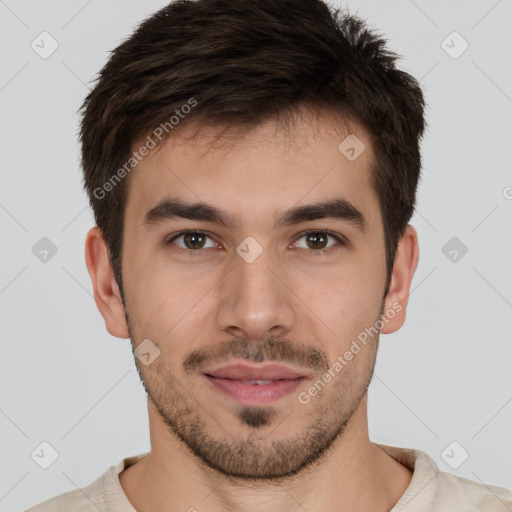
<point x="254" y="176"/>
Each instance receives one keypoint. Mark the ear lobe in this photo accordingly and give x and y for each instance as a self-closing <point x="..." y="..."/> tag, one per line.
<point x="106" y="291"/>
<point x="404" y="266"/>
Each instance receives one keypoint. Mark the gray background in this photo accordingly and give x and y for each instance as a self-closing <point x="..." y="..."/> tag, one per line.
<point x="444" y="377"/>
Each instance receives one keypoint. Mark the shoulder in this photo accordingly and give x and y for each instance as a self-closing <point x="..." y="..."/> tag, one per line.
<point x="73" y="500"/>
<point x="433" y="490"/>
<point x="105" y="493"/>
<point x="457" y="493"/>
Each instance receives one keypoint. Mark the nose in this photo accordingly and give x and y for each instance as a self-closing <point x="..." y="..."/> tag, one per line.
<point x="256" y="301"/>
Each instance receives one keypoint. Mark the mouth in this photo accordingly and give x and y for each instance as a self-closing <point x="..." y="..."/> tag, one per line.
<point x="254" y="392"/>
<point x="254" y="384"/>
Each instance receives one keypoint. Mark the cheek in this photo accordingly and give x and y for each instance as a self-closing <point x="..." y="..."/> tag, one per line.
<point x="149" y="297"/>
<point x="352" y="317"/>
<point x="166" y="305"/>
<point x="348" y="301"/>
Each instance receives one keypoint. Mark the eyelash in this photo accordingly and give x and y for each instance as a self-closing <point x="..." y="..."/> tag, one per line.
<point x="338" y="238"/>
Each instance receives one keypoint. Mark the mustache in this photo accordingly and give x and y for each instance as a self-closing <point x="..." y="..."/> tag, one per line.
<point x="272" y="349"/>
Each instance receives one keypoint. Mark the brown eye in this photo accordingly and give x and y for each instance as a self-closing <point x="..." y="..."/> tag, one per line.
<point x="192" y="240"/>
<point x="318" y="240"/>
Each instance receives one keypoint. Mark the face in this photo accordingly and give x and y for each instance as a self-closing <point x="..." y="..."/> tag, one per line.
<point x="273" y="281"/>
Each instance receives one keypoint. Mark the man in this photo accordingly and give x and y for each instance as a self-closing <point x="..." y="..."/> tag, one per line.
<point x="252" y="167"/>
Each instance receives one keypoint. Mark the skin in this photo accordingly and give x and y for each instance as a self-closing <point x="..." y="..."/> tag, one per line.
<point x="208" y="452"/>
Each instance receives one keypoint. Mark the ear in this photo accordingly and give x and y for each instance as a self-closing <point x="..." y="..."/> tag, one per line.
<point x="106" y="292"/>
<point x="406" y="261"/>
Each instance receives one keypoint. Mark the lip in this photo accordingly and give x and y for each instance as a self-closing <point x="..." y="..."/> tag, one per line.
<point x="230" y="378"/>
<point x="260" y="371"/>
<point x="246" y="393"/>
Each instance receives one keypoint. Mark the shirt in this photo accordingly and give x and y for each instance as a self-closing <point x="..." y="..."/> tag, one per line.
<point x="430" y="490"/>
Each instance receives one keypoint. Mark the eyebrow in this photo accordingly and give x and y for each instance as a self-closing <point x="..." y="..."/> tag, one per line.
<point x="172" y="208"/>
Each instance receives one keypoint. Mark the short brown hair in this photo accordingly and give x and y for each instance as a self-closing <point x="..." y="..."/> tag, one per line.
<point x="243" y="62"/>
